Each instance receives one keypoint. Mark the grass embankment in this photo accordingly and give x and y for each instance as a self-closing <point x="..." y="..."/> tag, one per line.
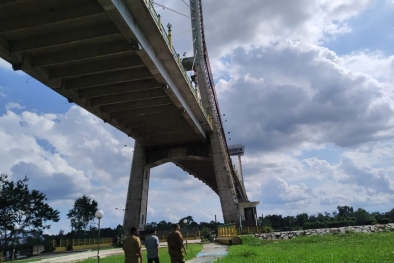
<point x="346" y="248"/>
<point x="193" y="250"/>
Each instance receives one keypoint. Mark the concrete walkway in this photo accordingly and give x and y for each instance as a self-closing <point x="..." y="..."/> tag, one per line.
<point x="75" y="257"/>
<point x="209" y="253"/>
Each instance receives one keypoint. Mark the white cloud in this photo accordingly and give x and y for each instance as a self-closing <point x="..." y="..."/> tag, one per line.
<point x="13" y="105"/>
<point x="286" y="97"/>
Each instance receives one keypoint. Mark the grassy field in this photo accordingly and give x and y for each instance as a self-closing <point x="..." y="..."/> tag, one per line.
<point x="193" y="250"/>
<point x="349" y="248"/>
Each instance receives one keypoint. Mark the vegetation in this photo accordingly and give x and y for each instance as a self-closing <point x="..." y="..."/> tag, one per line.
<point x="354" y="247"/>
<point x="193" y="250"/>
<point x="82" y="213"/>
<point x="191" y="224"/>
<point x="22" y="207"/>
<point x="345" y="216"/>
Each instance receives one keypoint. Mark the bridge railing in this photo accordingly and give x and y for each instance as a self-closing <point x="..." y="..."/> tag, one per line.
<point x="177" y="59"/>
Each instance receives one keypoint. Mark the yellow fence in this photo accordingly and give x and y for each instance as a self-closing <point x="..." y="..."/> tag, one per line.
<point x="61" y="245"/>
<point x="227" y="231"/>
<point x="186" y="236"/>
<point x="249" y="230"/>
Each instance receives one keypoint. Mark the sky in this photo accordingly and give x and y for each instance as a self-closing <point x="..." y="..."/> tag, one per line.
<point x="306" y="86"/>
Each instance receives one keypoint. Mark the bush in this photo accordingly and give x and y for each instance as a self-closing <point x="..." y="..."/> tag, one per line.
<point x="207" y="234"/>
<point x="384" y="221"/>
<point x="267" y="229"/>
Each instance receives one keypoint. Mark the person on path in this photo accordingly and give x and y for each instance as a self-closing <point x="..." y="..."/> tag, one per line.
<point x="175" y="245"/>
<point x="152" y="247"/>
<point x="132" y="247"/>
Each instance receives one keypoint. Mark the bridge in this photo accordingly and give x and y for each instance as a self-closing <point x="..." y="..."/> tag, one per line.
<point x="115" y="59"/>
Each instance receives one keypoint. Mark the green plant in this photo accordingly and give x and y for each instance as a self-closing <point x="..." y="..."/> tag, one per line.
<point x="207" y="234"/>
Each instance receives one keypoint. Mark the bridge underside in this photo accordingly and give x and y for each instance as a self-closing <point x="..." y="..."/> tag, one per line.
<point x="79" y="49"/>
<point x="110" y="57"/>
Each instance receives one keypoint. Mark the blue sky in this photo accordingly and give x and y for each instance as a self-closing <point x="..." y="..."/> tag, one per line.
<point x="308" y="88"/>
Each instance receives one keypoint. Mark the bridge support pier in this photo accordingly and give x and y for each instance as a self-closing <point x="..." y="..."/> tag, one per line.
<point x="137" y="194"/>
<point x="227" y="195"/>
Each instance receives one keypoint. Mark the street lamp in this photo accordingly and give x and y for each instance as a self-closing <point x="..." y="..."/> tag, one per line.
<point x="99" y="214"/>
<point x="16" y="228"/>
<point x="185" y="222"/>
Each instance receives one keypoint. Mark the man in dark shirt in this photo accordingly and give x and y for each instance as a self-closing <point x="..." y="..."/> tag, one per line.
<point x="132" y="247"/>
<point x="175" y="245"/>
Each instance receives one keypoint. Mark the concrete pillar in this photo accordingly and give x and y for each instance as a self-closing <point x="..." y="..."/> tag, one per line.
<point x="223" y="179"/>
<point x="137" y="194"/>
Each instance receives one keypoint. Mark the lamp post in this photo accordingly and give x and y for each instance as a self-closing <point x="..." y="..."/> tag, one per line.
<point x="99" y="214"/>
<point x="16" y="228"/>
<point x="185" y="222"/>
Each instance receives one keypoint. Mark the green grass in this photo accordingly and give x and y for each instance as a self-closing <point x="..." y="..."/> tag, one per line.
<point x="349" y="248"/>
<point x="193" y="250"/>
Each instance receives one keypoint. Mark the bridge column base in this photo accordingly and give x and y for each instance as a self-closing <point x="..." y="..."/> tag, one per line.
<point x="248" y="214"/>
<point x="137" y="194"/>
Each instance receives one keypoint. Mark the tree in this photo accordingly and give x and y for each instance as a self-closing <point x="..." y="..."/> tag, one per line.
<point x="82" y="213"/>
<point x="189" y="219"/>
<point x="19" y="205"/>
<point x="345" y="211"/>
<point x="302" y="219"/>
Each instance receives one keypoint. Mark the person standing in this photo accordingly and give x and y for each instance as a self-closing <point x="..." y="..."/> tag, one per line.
<point x="175" y="245"/>
<point x="132" y="247"/>
<point x="152" y="247"/>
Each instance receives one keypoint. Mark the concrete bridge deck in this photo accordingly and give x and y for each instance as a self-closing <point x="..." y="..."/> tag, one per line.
<point x="111" y="58"/>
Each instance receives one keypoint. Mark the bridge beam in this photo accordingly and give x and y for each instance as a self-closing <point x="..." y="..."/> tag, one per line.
<point x="128" y="97"/>
<point x="77" y="13"/>
<point x="85" y="54"/>
<point x="145" y="112"/>
<point x="108" y="78"/>
<point x="122" y="63"/>
<point x="139" y="104"/>
<point x="126" y="23"/>
<point x="155" y="118"/>
<point x="126" y="87"/>
<point x="63" y="39"/>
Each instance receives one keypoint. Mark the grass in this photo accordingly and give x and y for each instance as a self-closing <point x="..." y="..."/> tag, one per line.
<point x="193" y="250"/>
<point x="349" y="248"/>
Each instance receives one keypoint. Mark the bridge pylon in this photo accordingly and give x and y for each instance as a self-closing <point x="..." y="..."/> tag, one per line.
<point x="207" y="160"/>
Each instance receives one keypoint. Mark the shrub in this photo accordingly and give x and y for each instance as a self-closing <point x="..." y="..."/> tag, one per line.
<point x="207" y="234"/>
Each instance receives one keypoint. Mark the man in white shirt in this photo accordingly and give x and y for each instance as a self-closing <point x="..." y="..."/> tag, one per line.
<point x="152" y="247"/>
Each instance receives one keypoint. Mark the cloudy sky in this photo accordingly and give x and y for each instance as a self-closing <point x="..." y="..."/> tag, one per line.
<point x="306" y="86"/>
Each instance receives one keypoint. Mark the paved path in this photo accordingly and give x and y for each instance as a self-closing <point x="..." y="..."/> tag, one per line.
<point x="75" y="257"/>
<point x="209" y="253"/>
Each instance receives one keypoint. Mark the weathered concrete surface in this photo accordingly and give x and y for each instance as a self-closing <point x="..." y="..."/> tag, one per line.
<point x="209" y="253"/>
<point x="137" y="195"/>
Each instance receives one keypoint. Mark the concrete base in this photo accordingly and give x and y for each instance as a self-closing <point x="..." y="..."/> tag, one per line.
<point x="229" y="240"/>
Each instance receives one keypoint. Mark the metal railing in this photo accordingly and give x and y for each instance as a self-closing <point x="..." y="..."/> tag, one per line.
<point x="176" y="57"/>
